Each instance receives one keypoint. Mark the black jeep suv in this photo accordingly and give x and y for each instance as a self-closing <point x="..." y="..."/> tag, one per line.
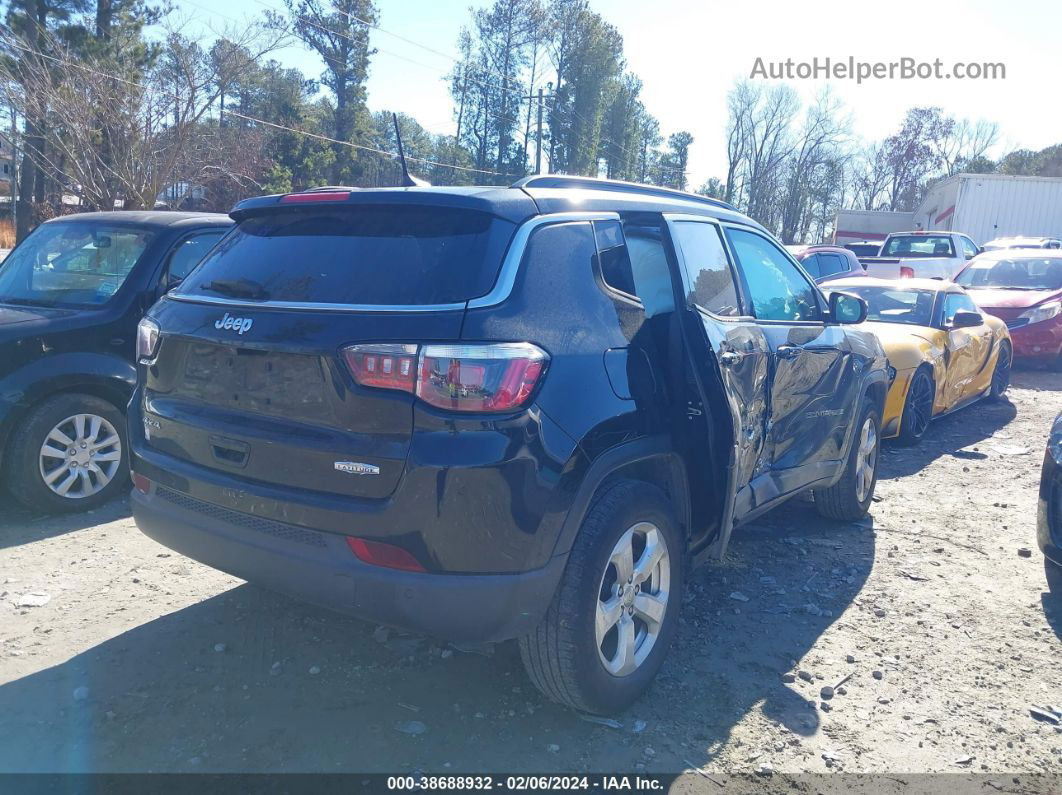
<point x="493" y="413"/>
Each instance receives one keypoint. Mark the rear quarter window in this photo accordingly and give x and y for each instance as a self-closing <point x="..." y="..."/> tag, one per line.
<point x="399" y="255"/>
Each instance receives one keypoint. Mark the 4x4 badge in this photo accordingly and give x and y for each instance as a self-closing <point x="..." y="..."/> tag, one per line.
<point x="357" y="468"/>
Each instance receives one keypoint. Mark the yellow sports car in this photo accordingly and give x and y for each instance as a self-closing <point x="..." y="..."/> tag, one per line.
<point x="943" y="352"/>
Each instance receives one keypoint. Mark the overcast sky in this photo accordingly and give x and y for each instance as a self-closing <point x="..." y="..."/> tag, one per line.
<point x="688" y="55"/>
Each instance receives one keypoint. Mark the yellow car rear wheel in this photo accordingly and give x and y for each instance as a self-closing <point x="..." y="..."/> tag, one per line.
<point x="917" y="409"/>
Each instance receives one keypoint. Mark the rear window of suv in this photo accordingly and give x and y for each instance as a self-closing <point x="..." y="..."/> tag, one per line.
<point x="401" y="256"/>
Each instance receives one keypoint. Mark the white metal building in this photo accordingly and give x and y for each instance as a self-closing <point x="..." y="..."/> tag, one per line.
<point x="983" y="206"/>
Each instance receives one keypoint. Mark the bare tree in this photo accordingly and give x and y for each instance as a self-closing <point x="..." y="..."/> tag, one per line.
<point x="156" y="124"/>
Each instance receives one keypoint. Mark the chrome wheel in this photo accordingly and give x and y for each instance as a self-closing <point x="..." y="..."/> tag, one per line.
<point x="80" y="456"/>
<point x="632" y="599"/>
<point x="866" y="459"/>
<point x="920" y="405"/>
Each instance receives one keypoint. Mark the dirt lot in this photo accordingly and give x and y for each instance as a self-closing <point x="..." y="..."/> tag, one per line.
<point x="144" y="661"/>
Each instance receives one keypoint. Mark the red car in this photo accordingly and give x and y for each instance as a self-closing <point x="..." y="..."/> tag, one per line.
<point x="826" y="263"/>
<point x="1022" y="287"/>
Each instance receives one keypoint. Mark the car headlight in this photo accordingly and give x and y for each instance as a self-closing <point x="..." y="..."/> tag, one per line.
<point x="1038" y="314"/>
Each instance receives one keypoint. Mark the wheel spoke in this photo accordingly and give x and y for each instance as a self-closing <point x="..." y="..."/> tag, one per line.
<point x="623" y="557"/>
<point x="58" y="436"/>
<point x="86" y="481"/>
<point x="95" y="423"/>
<point x="608" y="613"/>
<point x="54" y="475"/>
<point x="79" y="426"/>
<point x="114" y="455"/>
<point x="651" y="608"/>
<point x="50" y="452"/>
<point x="624" y="662"/>
<point x="650" y="557"/>
<point x="64" y="487"/>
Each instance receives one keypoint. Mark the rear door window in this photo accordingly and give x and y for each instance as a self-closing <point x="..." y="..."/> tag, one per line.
<point x="187" y="254"/>
<point x="708" y="268"/>
<point x="829" y="264"/>
<point x="810" y="263"/>
<point x="378" y="256"/>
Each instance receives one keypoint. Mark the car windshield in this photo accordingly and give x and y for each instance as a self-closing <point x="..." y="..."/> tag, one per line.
<point x="918" y="246"/>
<point x="1019" y="273"/>
<point x="361" y="255"/>
<point x="897" y="305"/>
<point x="74" y="264"/>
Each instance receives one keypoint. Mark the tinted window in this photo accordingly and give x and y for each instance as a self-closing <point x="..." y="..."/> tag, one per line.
<point x="707" y="268"/>
<point x="74" y="264"/>
<point x="830" y="264"/>
<point x="957" y="302"/>
<point x="652" y="276"/>
<point x="188" y="253"/>
<point x="810" y="263"/>
<point x="358" y="255"/>
<point x="613" y="256"/>
<point x="969" y="249"/>
<point x="776" y="287"/>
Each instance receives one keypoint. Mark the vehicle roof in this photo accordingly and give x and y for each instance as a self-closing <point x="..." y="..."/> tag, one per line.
<point x="529" y="197"/>
<point x="925" y="232"/>
<point x="935" y="285"/>
<point x="816" y="247"/>
<point x="149" y="218"/>
<point x="1021" y="253"/>
<point x="1016" y="238"/>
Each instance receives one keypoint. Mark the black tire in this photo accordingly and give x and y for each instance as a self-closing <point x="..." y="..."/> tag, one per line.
<point x="917" y="409"/>
<point x="23" y="468"/>
<point x="842" y="500"/>
<point x="562" y="656"/>
<point x="1001" y="373"/>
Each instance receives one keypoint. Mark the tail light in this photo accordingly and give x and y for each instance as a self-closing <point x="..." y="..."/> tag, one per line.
<point x="906" y="272"/>
<point x="312" y="197"/>
<point x="472" y="378"/>
<point x="386" y="555"/>
<point x="147" y="339"/>
<point x="142" y="484"/>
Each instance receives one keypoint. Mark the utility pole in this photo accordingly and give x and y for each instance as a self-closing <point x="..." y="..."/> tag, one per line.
<point x="538" y="137"/>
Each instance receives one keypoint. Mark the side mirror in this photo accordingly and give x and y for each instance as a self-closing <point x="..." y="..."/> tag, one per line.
<point x="846" y="308"/>
<point x="967" y="320"/>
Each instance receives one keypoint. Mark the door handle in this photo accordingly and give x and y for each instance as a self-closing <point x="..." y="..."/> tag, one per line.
<point x="789" y="351"/>
<point x="729" y="358"/>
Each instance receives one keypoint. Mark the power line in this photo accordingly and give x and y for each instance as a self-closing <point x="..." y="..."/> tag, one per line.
<point x="257" y="120"/>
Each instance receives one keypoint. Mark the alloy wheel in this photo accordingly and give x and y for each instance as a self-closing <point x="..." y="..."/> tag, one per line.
<point x="80" y="456"/>
<point x="866" y="459"/>
<point x="632" y="599"/>
<point x="921" y="405"/>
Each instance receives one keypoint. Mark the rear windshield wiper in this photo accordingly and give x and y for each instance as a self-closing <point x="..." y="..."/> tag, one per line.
<point x="238" y="288"/>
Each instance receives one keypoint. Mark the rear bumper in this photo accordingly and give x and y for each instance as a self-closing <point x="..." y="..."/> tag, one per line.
<point x="319" y="568"/>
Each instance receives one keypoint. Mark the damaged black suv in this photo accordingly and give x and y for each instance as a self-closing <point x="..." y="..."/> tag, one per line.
<point x="496" y="413"/>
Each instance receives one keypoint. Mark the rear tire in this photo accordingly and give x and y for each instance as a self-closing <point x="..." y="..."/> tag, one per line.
<point x="1001" y="373"/>
<point x="604" y="636"/>
<point x="69" y="454"/>
<point x="917" y="409"/>
<point x="850" y="497"/>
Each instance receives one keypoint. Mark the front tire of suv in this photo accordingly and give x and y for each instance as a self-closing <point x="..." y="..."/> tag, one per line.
<point x="850" y="497"/>
<point x="608" y="628"/>
<point x="69" y="454"/>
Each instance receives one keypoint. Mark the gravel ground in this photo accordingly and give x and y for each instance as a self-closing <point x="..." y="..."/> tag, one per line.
<point x="933" y="626"/>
